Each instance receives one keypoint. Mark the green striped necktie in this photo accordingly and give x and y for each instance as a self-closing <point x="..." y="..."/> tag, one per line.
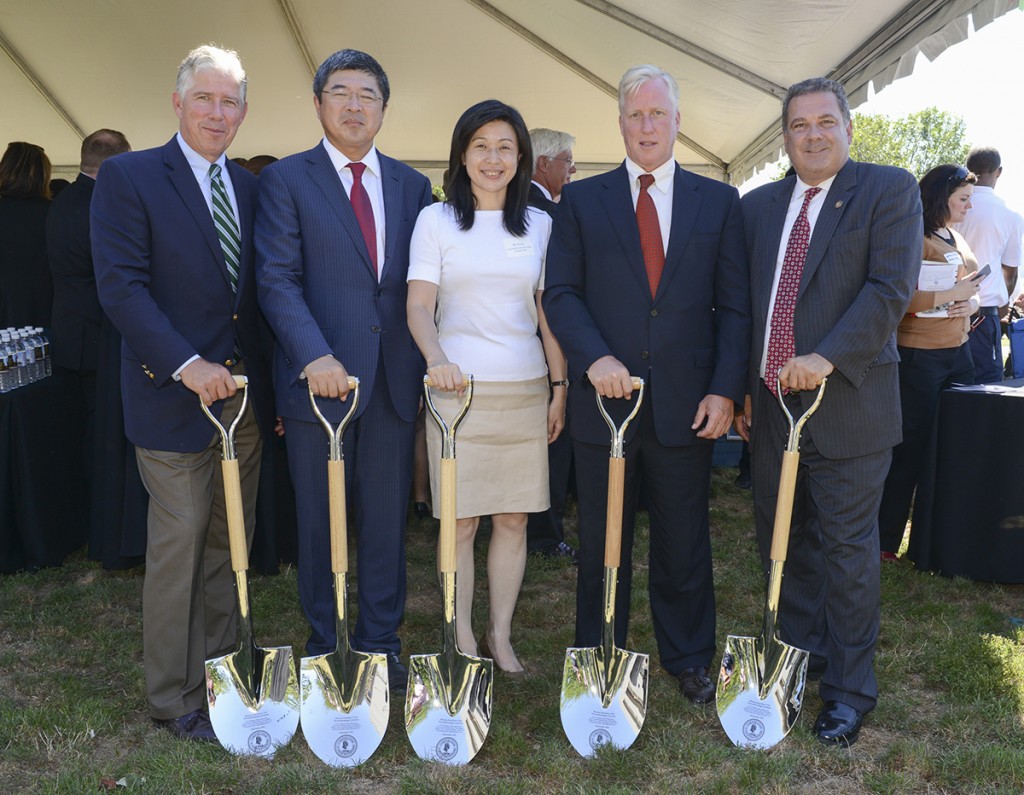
<point x="227" y="226"/>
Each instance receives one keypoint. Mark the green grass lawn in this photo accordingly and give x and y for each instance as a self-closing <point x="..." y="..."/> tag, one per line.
<point x="950" y="718"/>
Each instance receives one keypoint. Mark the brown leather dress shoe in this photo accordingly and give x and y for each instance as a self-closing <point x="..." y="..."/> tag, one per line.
<point x="194" y="726"/>
<point x="696" y="685"/>
<point x="838" y="724"/>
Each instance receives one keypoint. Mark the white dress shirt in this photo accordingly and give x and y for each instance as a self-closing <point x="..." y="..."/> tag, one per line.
<point x="661" y="192"/>
<point x="201" y="171"/>
<point x="813" y="211"/>
<point x="993" y="231"/>
<point x="374" y="189"/>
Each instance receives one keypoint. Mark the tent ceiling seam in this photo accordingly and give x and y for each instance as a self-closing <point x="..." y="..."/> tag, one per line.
<point x="580" y="70"/>
<point x="39" y="85"/>
<point x="685" y="47"/>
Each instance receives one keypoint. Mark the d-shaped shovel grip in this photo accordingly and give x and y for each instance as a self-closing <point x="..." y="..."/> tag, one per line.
<point x="336" y="505"/>
<point x="617" y="476"/>
<point x="787" y="477"/>
<point x="232" y="482"/>
<point x="449" y="475"/>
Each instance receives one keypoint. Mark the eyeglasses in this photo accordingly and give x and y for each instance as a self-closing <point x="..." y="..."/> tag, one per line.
<point x="568" y="163"/>
<point x="364" y="98"/>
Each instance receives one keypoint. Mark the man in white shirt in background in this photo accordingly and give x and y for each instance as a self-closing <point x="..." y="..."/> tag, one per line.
<point x="994" y="233"/>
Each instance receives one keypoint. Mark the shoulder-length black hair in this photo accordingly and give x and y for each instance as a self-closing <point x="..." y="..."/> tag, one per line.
<point x="459" y="189"/>
<point x="936" y="187"/>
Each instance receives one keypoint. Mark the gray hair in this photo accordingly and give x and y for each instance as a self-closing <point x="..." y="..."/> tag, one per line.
<point x="636" y="76"/>
<point x="209" y="56"/>
<point x="548" y="143"/>
<point x="817" y="85"/>
<point x="352" y="59"/>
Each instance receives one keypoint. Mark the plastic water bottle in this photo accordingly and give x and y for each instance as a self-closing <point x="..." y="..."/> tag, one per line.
<point x="17" y="348"/>
<point x="6" y="363"/>
<point x="32" y="353"/>
<point x="47" y="361"/>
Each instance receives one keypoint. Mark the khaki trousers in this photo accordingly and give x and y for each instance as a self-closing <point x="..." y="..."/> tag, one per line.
<point x="189" y="611"/>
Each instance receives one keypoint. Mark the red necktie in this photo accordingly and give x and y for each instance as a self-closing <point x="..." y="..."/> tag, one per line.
<point x="364" y="212"/>
<point x="650" y="234"/>
<point x="781" y="340"/>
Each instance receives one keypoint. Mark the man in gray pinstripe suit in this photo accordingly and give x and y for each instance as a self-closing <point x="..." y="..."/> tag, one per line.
<point x="858" y="274"/>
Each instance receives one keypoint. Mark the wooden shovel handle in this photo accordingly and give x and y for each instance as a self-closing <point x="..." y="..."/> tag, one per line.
<point x="447" y="541"/>
<point x="235" y="515"/>
<point x="613" y="522"/>
<point x="784" y="505"/>
<point x="338" y="516"/>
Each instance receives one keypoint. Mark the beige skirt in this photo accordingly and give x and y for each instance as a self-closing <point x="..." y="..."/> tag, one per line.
<point x="501" y="448"/>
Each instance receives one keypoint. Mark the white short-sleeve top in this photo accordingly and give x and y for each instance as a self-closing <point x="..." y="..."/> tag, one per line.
<point x="487" y="280"/>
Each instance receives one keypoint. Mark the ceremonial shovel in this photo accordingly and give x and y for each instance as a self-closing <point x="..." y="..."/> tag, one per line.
<point x="761" y="683"/>
<point x="253" y="692"/>
<point x="604" y="689"/>
<point x="448" y="702"/>
<point x="344" y="693"/>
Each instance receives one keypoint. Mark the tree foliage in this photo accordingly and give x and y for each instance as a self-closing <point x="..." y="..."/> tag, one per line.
<point x="917" y="142"/>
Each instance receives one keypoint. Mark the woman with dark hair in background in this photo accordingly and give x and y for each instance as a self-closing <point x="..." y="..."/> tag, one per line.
<point x="26" y="288"/>
<point x="476" y="271"/>
<point x="934" y="353"/>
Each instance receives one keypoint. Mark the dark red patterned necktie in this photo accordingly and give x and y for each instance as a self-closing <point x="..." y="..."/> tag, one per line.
<point x="650" y="234"/>
<point x="364" y="212"/>
<point x="781" y="341"/>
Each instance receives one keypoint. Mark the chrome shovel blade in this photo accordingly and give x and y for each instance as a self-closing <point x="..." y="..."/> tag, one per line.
<point x="248" y="723"/>
<point x="448" y="705"/>
<point x="604" y="701"/>
<point x="344" y="730"/>
<point x="760" y="690"/>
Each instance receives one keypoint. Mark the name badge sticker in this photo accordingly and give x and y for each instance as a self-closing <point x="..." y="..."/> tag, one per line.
<point x="518" y="247"/>
<point x="953" y="258"/>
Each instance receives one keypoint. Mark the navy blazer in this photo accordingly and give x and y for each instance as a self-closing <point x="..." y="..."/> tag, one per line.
<point x="318" y="287"/>
<point x="163" y="282"/>
<point x="860" y="273"/>
<point x="691" y="339"/>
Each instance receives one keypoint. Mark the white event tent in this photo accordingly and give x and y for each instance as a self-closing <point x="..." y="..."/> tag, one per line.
<point x="71" y="66"/>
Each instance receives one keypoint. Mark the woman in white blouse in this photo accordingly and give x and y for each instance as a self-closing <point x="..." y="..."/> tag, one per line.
<point x="476" y="271"/>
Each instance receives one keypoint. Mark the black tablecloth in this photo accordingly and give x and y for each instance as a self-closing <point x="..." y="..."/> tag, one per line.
<point x="42" y="483"/>
<point x="969" y="511"/>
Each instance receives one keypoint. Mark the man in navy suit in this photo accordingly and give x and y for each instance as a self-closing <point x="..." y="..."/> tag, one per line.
<point x="77" y="316"/>
<point x="863" y="228"/>
<point x="185" y="306"/>
<point x="332" y="240"/>
<point x="647" y="276"/>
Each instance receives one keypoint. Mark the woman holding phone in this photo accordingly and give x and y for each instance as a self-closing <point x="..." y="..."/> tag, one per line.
<point x="932" y="343"/>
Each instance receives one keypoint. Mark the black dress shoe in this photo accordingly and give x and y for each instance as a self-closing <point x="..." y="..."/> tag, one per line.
<point x="838" y="724"/>
<point x="561" y="550"/>
<point x="422" y="510"/>
<point x="696" y="685"/>
<point x="194" y="726"/>
<point x="398" y="674"/>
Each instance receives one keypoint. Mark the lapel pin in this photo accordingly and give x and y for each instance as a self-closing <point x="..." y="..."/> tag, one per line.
<point x="839" y="204"/>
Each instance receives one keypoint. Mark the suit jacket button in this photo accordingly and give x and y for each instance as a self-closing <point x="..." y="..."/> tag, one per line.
<point x="645" y="355"/>
<point x="375" y="329"/>
<point x="654" y="313"/>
